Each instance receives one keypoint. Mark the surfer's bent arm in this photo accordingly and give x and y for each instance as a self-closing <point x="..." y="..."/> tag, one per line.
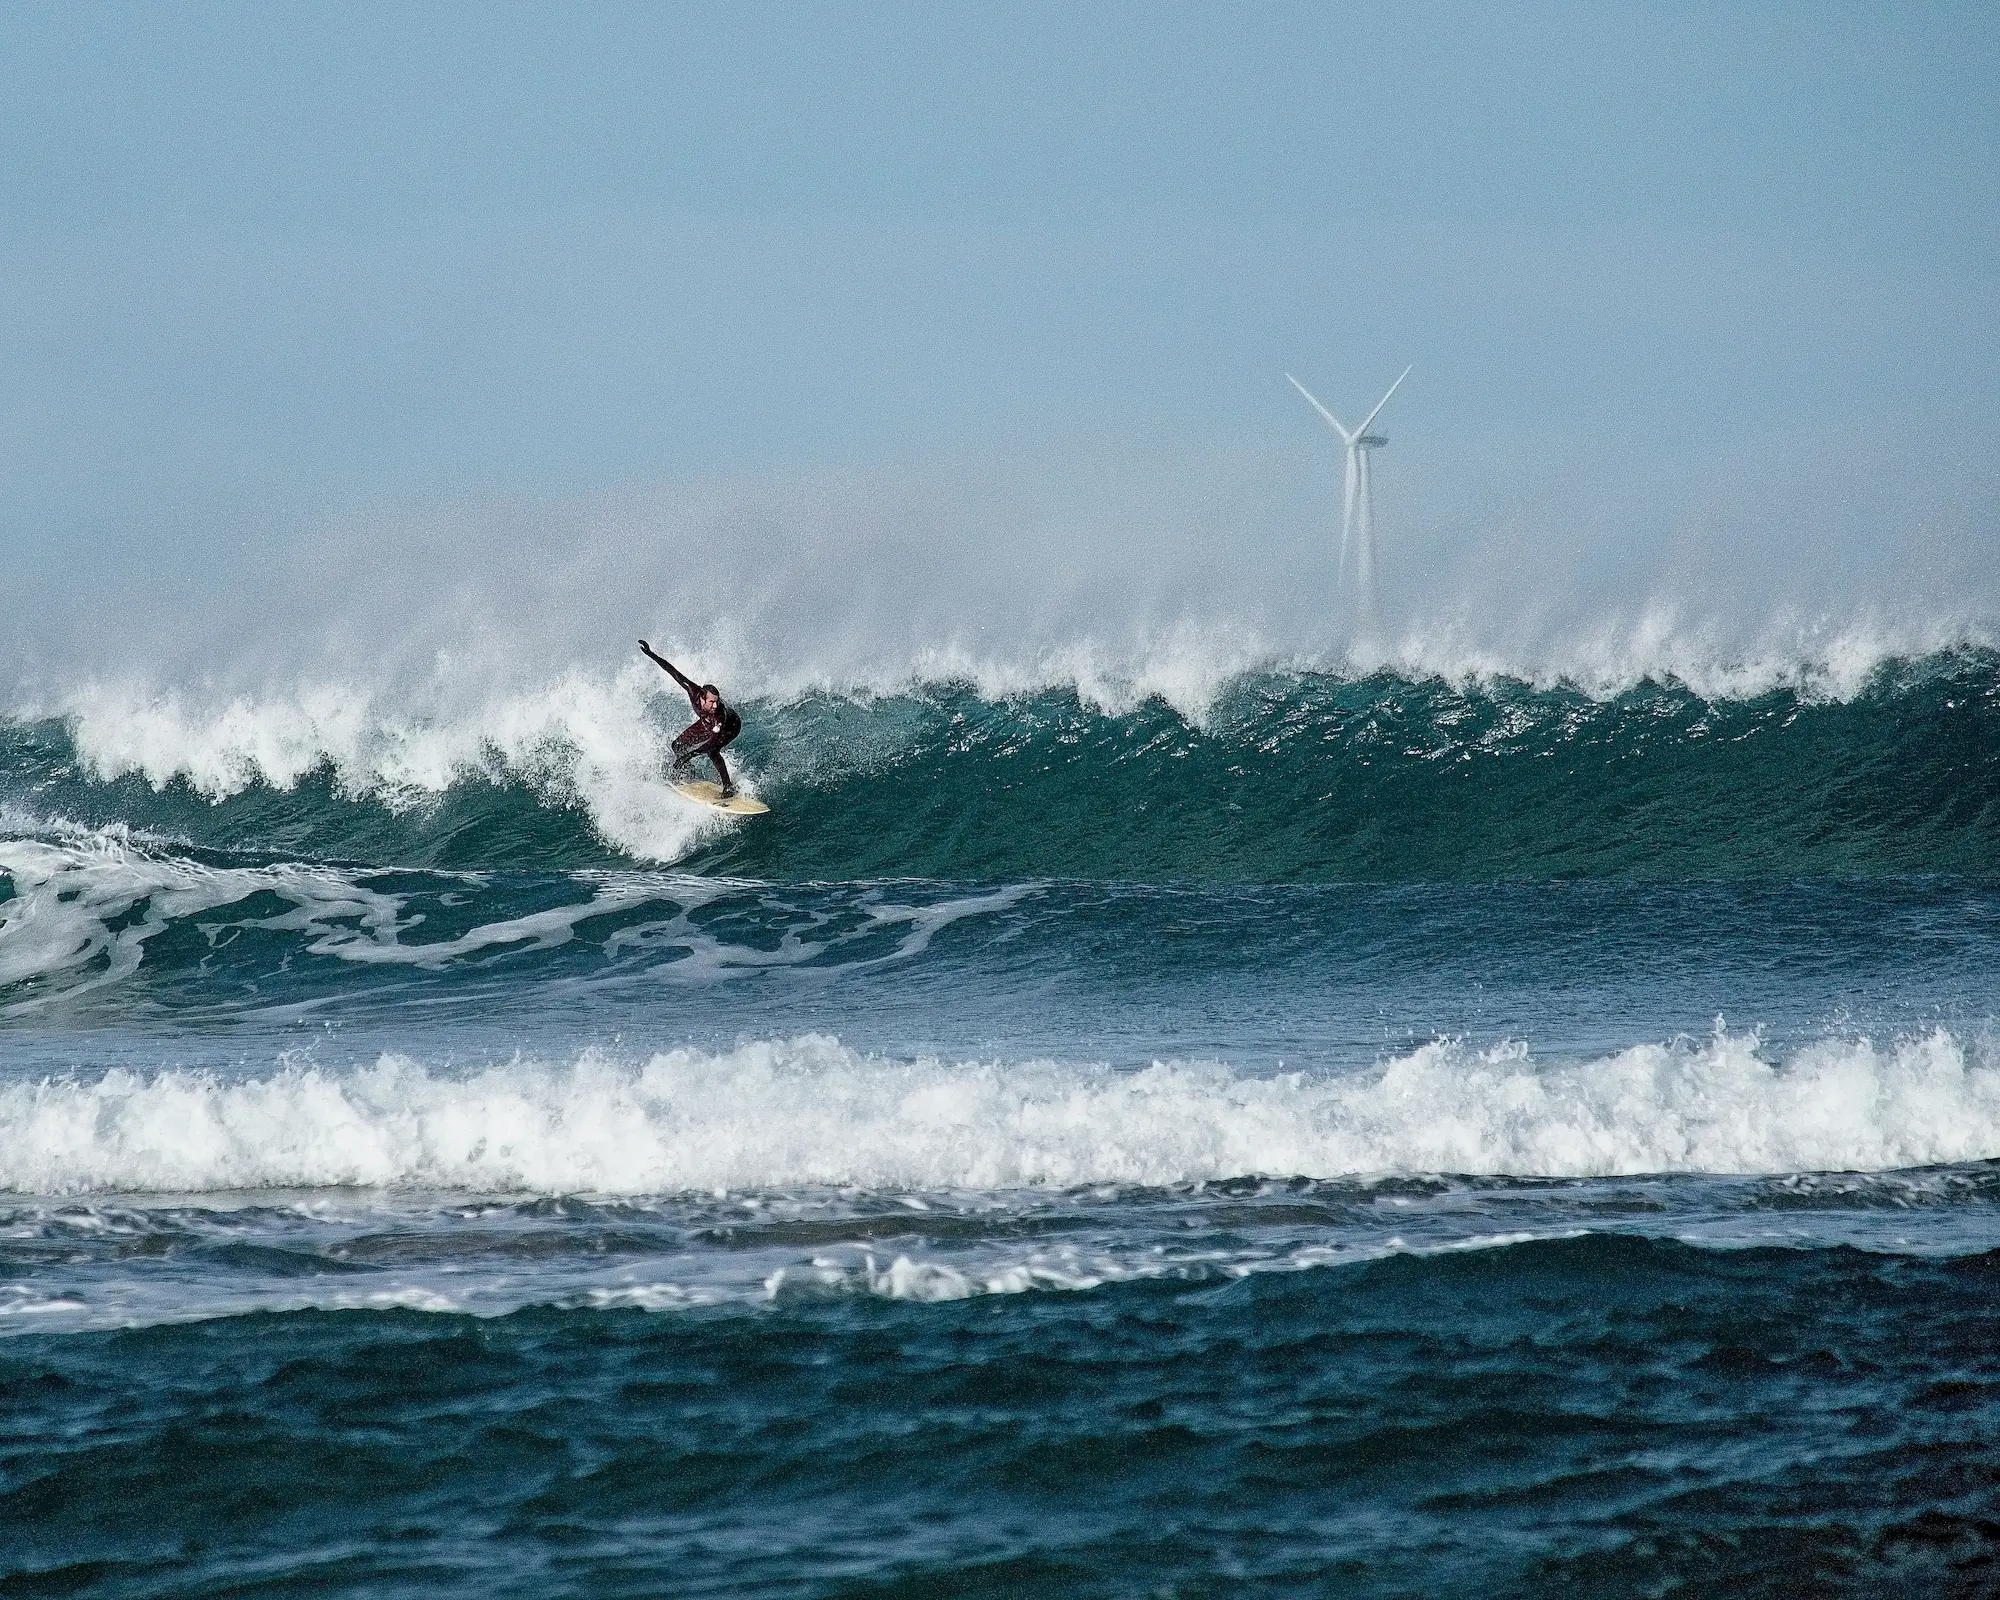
<point x="680" y="677"/>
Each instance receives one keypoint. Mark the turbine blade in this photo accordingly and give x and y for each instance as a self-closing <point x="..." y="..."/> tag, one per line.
<point x="1345" y="436"/>
<point x="1350" y="499"/>
<point x="1379" y="404"/>
<point x="1364" y="550"/>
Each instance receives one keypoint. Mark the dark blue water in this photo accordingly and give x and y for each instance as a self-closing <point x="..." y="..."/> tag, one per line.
<point x="1777" y="1421"/>
<point x="1383" y="1137"/>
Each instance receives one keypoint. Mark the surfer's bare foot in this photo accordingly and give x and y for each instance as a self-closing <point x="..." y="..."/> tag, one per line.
<point x="728" y="789"/>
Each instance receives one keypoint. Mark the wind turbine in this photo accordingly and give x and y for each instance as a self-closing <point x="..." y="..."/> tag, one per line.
<point x="1357" y="512"/>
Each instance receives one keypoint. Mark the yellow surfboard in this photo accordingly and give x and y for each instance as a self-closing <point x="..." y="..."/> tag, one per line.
<point x="710" y="795"/>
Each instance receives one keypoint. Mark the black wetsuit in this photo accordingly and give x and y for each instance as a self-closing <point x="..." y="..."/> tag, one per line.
<point x="709" y="731"/>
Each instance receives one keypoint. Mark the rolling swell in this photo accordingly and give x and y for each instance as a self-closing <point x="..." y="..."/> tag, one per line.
<point x="1287" y="777"/>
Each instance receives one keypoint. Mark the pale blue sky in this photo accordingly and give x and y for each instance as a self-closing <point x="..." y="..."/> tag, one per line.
<point x="264" y="266"/>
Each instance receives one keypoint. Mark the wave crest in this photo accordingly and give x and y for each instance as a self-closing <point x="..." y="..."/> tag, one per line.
<point x="1271" y="773"/>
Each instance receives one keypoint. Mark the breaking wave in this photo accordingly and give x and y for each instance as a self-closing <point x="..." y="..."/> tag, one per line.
<point x="1215" y="767"/>
<point x="808" y="1111"/>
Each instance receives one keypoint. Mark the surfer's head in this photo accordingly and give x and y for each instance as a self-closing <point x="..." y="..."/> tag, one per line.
<point x="711" y="697"/>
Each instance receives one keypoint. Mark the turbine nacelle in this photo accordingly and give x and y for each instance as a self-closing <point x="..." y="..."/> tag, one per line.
<point x="1373" y="441"/>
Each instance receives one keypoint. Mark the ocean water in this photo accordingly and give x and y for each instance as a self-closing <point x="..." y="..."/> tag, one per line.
<point x="1297" y="1127"/>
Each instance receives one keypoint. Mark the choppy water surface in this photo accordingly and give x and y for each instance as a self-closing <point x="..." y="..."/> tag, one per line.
<point x="1376" y="1136"/>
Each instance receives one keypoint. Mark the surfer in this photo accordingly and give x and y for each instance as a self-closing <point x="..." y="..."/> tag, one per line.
<point x="714" y="725"/>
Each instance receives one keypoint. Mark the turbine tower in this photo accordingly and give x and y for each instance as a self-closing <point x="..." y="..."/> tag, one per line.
<point x="1357" y="512"/>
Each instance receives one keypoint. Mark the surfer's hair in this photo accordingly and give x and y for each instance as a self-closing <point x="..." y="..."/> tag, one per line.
<point x="709" y="688"/>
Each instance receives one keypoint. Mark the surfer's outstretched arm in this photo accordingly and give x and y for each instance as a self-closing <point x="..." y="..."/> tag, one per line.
<point x="680" y="677"/>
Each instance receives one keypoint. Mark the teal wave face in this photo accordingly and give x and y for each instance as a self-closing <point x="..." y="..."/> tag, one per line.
<point x="1289" y="778"/>
<point x="1313" y="778"/>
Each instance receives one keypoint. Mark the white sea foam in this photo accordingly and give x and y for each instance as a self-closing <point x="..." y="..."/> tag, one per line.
<point x="66" y="920"/>
<point x="582" y="738"/>
<point x="1818" y="659"/>
<point x="808" y="1111"/>
<point x="677" y="1275"/>
<point x="1187" y="665"/>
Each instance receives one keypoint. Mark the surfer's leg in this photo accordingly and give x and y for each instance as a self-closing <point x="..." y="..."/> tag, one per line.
<point x="687" y="745"/>
<point x="714" y="753"/>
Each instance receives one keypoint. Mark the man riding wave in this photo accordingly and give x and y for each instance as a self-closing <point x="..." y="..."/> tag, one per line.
<point x="714" y="725"/>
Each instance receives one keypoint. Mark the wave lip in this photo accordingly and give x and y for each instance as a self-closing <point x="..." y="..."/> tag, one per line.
<point x="810" y="1112"/>
<point x="1278" y="774"/>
